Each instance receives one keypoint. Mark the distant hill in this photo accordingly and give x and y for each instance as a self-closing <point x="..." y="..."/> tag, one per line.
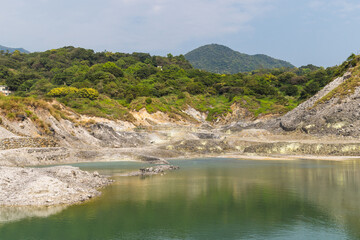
<point x="13" y="49"/>
<point x="221" y="59"/>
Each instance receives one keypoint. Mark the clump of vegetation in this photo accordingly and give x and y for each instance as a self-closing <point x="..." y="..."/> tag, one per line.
<point x="104" y="107"/>
<point x="148" y="100"/>
<point x="89" y="93"/>
<point x="62" y="91"/>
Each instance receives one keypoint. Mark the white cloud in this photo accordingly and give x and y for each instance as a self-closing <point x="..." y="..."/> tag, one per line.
<point x="126" y="24"/>
<point x="168" y="23"/>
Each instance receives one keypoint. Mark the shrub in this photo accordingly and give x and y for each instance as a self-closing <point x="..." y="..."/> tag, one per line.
<point x="290" y="90"/>
<point x="89" y="93"/>
<point x="181" y="95"/>
<point x="62" y="91"/>
<point x="148" y="101"/>
<point x="113" y="69"/>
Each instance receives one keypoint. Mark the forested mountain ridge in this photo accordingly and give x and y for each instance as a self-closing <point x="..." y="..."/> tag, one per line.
<point x="111" y="85"/>
<point x="11" y="50"/>
<point x="221" y="59"/>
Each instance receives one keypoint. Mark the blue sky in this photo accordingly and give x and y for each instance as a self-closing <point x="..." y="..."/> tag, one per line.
<point x="320" y="32"/>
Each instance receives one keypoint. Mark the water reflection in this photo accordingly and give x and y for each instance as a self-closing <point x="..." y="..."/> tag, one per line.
<point x="12" y="214"/>
<point x="215" y="199"/>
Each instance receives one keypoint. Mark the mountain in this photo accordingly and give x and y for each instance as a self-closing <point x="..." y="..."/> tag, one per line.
<point x="3" y="48"/>
<point x="221" y="59"/>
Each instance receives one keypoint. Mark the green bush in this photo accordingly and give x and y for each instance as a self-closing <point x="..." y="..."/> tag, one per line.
<point x="181" y="95"/>
<point x="62" y="91"/>
<point x="89" y="93"/>
<point x="148" y="101"/>
<point x="290" y="90"/>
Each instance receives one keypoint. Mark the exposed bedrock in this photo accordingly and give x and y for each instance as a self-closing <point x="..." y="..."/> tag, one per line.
<point x="335" y="116"/>
<point x="296" y="148"/>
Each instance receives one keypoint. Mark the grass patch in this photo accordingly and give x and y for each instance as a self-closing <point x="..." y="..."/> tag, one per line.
<point x="265" y="106"/>
<point x="103" y="107"/>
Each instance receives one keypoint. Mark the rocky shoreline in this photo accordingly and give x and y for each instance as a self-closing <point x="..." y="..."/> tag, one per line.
<point x="62" y="185"/>
<point x="65" y="185"/>
<point x="149" y="171"/>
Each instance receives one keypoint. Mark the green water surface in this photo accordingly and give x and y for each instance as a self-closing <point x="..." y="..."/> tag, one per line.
<point x="207" y="199"/>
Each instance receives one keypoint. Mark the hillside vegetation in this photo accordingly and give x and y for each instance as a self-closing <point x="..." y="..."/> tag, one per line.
<point x="111" y="85"/>
<point x="350" y="84"/>
<point x="221" y="59"/>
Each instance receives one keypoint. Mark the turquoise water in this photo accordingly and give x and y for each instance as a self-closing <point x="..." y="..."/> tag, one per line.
<point x="209" y="199"/>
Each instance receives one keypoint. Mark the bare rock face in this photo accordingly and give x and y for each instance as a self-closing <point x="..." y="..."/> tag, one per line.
<point x="206" y="135"/>
<point x="207" y="146"/>
<point x="48" y="186"/>
<point x="297" y="148"/>
<point x="109" y="137"/>
<point x="335" y="116"/>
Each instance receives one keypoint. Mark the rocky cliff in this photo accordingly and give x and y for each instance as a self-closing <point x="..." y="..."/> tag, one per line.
<point x="332" y="111"/>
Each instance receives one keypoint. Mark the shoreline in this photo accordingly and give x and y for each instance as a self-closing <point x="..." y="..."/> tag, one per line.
<point x="63" y="185"/>
<point x="294" y="157"/>
<point x="49" y="186"/>
<point x="270" y="157"/>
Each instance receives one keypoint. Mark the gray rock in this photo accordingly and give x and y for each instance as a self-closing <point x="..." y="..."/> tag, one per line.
<point x="153" y="170"/>
<point x="333" y="117"/>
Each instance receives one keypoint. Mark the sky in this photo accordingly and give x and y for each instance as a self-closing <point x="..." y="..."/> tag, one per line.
<point x="319" y="32"/>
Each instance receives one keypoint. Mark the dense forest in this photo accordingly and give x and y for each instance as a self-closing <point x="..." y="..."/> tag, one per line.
<point x="221" y="59"/>
<point x="110" y="84"/>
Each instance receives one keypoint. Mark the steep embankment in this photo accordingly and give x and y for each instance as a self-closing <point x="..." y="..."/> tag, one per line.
<point x="43" y="136"/>
<point x="36" y="132"/>
<point x="332" y="111"/>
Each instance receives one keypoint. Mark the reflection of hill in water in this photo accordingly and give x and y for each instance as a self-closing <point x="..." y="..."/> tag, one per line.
<point x="269" y="196"/>
<point x="238" y="201"/>
<point x="333" y="187"/>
